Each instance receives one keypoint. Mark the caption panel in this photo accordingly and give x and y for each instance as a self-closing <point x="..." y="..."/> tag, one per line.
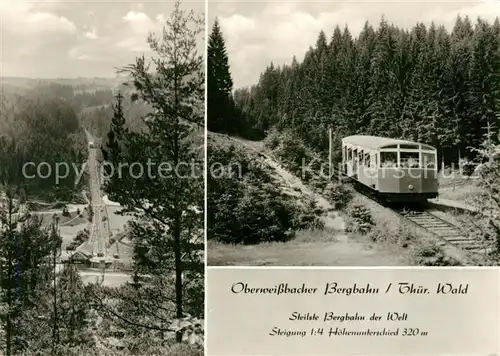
<point x="360" y="311"/>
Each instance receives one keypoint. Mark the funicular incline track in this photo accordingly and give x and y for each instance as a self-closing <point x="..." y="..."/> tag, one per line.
<point x="419" y="215"/>
<point x="441" y="228"/>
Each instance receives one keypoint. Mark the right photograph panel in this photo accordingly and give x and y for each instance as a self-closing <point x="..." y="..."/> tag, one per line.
<point x="353" y="134"/>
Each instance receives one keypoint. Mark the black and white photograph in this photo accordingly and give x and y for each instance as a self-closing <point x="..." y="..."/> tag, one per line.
<point x="102" y="178"/>
<point x="353" y="133"/>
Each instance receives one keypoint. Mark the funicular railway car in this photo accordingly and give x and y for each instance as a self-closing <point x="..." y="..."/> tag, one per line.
<point x="394" y="170"/>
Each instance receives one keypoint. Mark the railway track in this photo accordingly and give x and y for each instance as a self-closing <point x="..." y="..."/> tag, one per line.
<point x="441" y="228"/>
<point x="421" y="216"/>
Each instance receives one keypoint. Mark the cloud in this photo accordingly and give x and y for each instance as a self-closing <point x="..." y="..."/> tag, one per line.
<point x="487" y="10"/>
<point x="48" y="39"/>
<point x="140" y="25"/>
<point x="257" y="33"/>
<point x="139" y="22"/>
<point x="91" y="35"/>
<point x="28" y="30"/>
<point x="24" y="20"/>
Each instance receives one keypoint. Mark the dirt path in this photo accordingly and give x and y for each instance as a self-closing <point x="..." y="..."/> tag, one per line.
<point x="331" y="247"/>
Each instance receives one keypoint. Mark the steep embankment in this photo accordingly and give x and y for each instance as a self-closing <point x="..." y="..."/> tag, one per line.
<point x="309" y="246"/>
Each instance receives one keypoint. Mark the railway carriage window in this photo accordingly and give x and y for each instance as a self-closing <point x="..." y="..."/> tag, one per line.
<point x="388" y="159"/>
<point x="428" y="160"/>
<point x="349" y="154"/>
<point x="411" y="147"/>
<point x="409" y="159"/>
<point x="367" y="160"/>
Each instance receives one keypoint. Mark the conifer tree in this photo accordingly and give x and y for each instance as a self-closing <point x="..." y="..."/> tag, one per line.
<point x="111" y="150"/>
<point x="220" y="84"/>
<point x="25" y="250"/>
<point x="72" y="306"/>
<point x="167" y="198"/>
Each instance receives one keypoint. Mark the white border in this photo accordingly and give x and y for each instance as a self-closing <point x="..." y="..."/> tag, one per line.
<point x="205" y="304"/>
<point x="430" y="268"/>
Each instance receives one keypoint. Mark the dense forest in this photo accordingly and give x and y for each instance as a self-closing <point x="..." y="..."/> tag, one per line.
<point x="37" y="131"/>
<point x="43" y="123"/>
<point x="424" y="84"/>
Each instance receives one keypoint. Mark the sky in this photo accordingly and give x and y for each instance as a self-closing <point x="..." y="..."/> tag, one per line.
<point x="69" y="39"/>
<point x="258" y="32"/>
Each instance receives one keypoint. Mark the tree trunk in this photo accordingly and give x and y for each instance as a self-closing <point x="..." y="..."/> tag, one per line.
<point x="8" y="323"/>
<point x="178" y="214"/>
<point x="10" y="282"/>
<point x="55" y="335"/>
<point x="178" y="273"/>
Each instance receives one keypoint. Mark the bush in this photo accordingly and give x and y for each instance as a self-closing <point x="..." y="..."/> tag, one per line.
<point x="307" y="164"/>
<point x="65" y="212"/>
<point x="359" y="219"/>
<point x="318" y="183"/>
<point x="71" y="247"/>
<point x="433" y="255"/>
<point x="383" y="233"/>
<point x="467" y="167"/>
<point x="291" y="151"/>
<point x="90" y="212"/>
<point x="81" y="236"/>
<point x="308" y="218"/>
<point x="250" y="208"/>
<point x="258" y="216"/>
<point x="272" y="140"/>
<point x="338" y="195"/>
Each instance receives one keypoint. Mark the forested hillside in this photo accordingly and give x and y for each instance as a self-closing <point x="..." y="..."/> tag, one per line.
<point x="42" y="123"/>
<point x="36" y="133"/>
<point x="424" y="84"/>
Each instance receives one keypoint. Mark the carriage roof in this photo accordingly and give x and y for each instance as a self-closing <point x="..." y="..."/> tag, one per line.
<point x="375" y="143"/>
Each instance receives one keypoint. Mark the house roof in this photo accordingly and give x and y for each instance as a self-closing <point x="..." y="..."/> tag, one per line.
<point x="86" y="249"/>
<point x="74" y="255"/>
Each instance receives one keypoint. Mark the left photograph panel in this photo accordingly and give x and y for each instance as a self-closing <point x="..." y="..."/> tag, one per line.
<point x="102" y="178"/>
